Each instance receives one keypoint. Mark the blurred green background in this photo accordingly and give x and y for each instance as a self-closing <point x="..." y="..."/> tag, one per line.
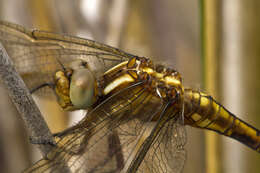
<point x="214" y="45"/>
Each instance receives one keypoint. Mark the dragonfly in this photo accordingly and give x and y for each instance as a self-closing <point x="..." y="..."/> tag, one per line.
<point x="137" y="110"/>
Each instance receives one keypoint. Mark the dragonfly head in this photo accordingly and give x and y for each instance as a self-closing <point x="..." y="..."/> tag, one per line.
<point x="75" y="86"/>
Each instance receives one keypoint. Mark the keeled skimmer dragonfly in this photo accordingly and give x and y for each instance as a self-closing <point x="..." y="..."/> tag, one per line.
<point x="137" y="110"/>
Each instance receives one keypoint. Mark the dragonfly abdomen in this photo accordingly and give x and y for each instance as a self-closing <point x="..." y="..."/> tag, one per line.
<point x="203" y="111"/>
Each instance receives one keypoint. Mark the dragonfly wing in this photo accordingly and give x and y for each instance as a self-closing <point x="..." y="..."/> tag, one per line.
<point x="106" y="137"/>
<point x="162" y="150"/>
<point x="36" y="54"/>
<point x="167" y="153"/>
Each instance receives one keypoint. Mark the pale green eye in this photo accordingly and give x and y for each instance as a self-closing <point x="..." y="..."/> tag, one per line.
<point x="82" y="88"/>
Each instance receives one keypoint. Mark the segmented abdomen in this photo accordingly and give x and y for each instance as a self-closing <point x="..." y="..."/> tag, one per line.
<point x="203" y="111"/>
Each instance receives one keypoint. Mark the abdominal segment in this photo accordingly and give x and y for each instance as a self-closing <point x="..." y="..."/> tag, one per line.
<point x="203" y="111"/>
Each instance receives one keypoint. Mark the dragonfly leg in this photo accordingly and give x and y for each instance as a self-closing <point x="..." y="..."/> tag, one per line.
<point x="51" y="85"/>
<point x="65" y="132"/>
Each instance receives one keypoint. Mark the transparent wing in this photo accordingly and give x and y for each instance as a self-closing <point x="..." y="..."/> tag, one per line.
<point x="104" y="140"/>
<point x="36" y="53"/>
<point x="167" y="153"/>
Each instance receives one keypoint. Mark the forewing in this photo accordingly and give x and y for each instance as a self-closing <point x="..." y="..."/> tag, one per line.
<point x="36" y="53"/>
<point x="104" y="140"/>
<point x="167" y="153"/>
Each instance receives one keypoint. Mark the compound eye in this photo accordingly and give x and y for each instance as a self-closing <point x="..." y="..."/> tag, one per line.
<point x="69" y="73"/>
<point x="84" y="64"/>
<point x="82" y="89"/>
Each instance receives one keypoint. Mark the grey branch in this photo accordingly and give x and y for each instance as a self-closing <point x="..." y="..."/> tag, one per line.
<point x="24" y="103"/>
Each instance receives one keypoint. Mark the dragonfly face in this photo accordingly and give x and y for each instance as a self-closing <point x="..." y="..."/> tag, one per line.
<point x="75" y="87"/>
<point x="138" y="110"/>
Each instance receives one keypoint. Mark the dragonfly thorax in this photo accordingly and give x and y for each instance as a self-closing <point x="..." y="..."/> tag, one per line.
<point x="161" y="81"/>
<point x="165" y="82"/>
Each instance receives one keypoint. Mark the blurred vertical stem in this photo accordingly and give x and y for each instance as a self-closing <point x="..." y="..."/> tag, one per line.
<point x="42" y="15"/>
<point x="230" y="52"/>
<point x="240" y="77"/>
<point x="209" y="12"/>
<point x="117" y="22"/>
